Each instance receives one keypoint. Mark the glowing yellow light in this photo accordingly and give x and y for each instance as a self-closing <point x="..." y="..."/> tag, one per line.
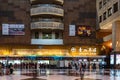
<point x="110" y="44"/>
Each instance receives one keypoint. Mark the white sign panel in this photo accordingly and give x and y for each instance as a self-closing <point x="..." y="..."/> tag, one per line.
<point x="72" y="30"/>
<point x="5" y="30"/>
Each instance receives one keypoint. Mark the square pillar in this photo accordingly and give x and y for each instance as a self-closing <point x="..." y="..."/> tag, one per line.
<point x="116" y="36"/>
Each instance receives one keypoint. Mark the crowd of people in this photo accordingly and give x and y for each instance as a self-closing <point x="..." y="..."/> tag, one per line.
<point x="79" y="68"/>
<point x="6" y="69"/>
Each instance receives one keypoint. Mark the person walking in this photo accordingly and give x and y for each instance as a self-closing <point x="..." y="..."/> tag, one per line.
<point x="1" y="71"/>
<point x="76" y="68"/>
<point x="82" y="70"/>
<point x="11" y="68"/>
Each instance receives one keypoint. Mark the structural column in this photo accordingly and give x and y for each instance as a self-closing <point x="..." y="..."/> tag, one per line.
<point x="53" y="35"/>
<point x="40" y="35"/>
<point x="116" y="36"/>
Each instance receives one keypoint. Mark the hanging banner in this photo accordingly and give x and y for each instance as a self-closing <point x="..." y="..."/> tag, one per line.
<point x="13" y="29"/>
<point x="72" y="30"/>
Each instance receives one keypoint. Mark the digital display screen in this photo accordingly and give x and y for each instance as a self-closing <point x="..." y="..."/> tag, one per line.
<point x="111" y="59"/>
<point x="83" y="30"/>
<point x="118" y="59"/>
<point x="99" y="60"/>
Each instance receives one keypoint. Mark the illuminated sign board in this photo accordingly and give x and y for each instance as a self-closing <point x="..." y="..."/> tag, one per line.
<point x="118" y="59"/>
<point x="83" y="30"/>
<point x="55" y="53"/>
<point x="40" y="52"/>
<point x="81" y="51"/>
<point x="111" y="59"/>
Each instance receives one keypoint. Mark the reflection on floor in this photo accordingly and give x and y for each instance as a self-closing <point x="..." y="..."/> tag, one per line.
<point x="62" y="75"/>
<point x="87" y="79"/>
<point x="33" y="79"/>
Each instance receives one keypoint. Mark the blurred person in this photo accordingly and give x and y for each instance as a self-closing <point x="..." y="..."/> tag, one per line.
<point x="82" y="70"/>
<point x="11" y="68"/>
<point x="1" y="70"/>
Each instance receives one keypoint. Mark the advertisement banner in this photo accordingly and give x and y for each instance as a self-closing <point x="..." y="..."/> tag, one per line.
<point x="13" y="29"/>
<point x="83" y="30"/>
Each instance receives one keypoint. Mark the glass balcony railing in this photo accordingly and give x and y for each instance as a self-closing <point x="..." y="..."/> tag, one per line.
<point x="47" y="10"/>
<point x="47" y="41"/>
<point x="47" y="25"/>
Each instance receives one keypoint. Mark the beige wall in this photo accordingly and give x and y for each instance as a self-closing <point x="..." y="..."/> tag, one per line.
<point x="107" y="24"/>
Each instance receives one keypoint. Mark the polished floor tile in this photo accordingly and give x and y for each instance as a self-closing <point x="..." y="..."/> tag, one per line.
<point x="62" y="75"/>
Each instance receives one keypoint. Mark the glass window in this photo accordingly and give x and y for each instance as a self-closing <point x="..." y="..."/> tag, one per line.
<point x="56" y="35"/>
<point x="109" y="12"/>
<point x="36" y="35"/>
<point x="115" y="7"/>
<point x="104" y="16"/>
<point x="47" y="35"/>
<point x="100" y="18"/>
<point x="100" y="4"/>
<point x="104" y="2"/>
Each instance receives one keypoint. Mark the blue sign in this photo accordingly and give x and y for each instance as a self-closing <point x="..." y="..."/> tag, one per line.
<point x="31" y="57"/>
<point x="57" y="57"/>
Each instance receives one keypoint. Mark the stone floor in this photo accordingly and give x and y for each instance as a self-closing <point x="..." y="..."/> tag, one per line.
<point x="62" y="75"/>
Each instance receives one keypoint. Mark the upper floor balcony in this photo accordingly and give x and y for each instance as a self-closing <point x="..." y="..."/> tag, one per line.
<point x="47" y="9"/>
<point x="47" y="25"/>
<point x="59" y="1"/>
<point x="47" y="41"/>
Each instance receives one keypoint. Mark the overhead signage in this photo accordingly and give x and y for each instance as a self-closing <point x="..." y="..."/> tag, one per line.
<point x="81" y="51"/>
<point x="55" y="53"/>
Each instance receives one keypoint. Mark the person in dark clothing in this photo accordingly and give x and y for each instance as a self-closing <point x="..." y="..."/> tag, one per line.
<point x="94" y="67"/>
<point x="11" y="68"/>
<point x="82" y="70"/>
<point x="76" y="68"/>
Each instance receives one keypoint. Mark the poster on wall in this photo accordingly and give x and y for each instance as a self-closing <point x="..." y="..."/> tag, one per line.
<point x="5" y="30"/>
<point x="83" y="30"/>
<point x="13" y="29"/>
<point x="72" y="30"/>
